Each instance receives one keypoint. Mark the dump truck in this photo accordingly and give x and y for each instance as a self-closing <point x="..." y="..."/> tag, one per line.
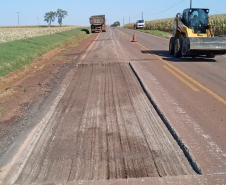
<point x="193" y="35"/>
<point x="98" y="23"/>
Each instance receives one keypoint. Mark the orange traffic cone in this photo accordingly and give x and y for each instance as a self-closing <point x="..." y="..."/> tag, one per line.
<point x="134" y="37"/>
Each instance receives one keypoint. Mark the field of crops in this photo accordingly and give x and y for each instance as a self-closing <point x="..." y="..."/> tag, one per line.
<point x="15" y="33"/>
<point x="167" y="24"/>
<point x="21" y="52"/>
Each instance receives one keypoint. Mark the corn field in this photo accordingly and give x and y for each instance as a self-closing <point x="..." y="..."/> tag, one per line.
<point x="15" y="33"/>
<point x="219" y="22"/>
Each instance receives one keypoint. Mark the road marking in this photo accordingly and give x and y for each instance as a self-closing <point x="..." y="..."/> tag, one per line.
<point x="198" y="84"/>
<point x="193" y="80"/>
<point x="124" y="34"/>
<point x="172" y="72"/>
<point x="87" y="51"/>
<point x="185" y="75"/>
<point x="181" y="79"/>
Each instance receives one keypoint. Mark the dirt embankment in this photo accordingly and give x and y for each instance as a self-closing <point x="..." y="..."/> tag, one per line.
<point x="29" y="86"/>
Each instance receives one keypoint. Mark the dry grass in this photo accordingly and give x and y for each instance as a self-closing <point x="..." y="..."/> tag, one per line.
<point x="15" y="33"/>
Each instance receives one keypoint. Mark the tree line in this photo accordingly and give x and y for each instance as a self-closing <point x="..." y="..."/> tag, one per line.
<point x="49" y="17"/>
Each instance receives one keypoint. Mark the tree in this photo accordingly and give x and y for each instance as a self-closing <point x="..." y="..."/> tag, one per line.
<point x="60" y="14"/>
<point x="117" y="23"/>
<point x="50" y="17"/>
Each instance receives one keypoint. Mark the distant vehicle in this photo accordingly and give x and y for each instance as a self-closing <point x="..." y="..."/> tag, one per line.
<point x="98" y="23"/>
<point x="139" y="24"/>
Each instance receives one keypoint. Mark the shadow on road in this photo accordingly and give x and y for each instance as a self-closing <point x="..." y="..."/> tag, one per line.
<point x="166" y="56"/>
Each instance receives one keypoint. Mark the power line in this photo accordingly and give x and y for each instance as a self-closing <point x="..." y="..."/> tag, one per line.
<point x="161" y="11"/>
<point x="167" y="8"/>
<point x="207" y="6"/>
<point x="138" y="15"/>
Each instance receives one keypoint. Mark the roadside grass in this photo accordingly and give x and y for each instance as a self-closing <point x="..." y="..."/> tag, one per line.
<point x="18" y="53"/>
<point x="157" y="33"/>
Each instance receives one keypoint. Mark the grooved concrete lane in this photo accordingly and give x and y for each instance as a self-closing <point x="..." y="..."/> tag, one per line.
<point x="104" y="128"/>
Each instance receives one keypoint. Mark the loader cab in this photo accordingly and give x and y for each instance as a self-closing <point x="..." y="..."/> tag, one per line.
<point x="196" y="19"/>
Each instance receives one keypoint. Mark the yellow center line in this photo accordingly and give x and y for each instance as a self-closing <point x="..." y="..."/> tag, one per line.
<point x="185" y="75"/>
<point x="181" y="79"/>
<point x="124" y="34"/>
<point x="198" y="84"/>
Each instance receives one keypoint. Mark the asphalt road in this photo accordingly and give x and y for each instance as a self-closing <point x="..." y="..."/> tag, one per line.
<point x="198" y="85"/>
<point x="190" y="93"/>
<point x="133" y="113"/>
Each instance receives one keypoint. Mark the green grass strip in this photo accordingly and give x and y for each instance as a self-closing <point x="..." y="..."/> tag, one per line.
<point x="156" y="32"/>
<point x="18" y="53"/>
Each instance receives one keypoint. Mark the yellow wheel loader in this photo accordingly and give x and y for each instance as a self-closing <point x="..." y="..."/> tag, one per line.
<point x="194" y="36"/>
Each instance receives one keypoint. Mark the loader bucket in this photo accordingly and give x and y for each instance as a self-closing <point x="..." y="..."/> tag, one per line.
<point x="207" y="45"/>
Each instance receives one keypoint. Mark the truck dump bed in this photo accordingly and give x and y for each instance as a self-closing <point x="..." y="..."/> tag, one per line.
<point x="97" y="19"/>
<point x="97" y="23"/>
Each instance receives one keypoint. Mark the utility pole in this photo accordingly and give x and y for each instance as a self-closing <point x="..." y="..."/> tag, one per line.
<point x="123" y="20"/>
<point x="129" y="19"/>
<point x="18" y="18"/>
<point x="190" y="4"/>
<point x="38" y="21"/>
<point x="142" y="16"/>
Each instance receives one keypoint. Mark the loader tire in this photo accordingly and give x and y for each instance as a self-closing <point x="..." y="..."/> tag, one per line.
<point x="177" y="47"/>
<point x="210" y="56"/>
<point x="171" y="45"/>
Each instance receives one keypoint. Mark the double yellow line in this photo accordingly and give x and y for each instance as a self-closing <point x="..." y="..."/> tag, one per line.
<point x="170" y="69"/>
<point x="187" y="79"/>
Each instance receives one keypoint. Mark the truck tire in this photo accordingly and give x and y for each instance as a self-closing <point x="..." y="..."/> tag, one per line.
<point x="210" y="56"/>
<point x="171" y="45"/>
<point x="178" y="47"/>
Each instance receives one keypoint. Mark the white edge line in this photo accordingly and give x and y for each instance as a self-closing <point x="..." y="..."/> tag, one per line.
<point x="87" y="51"/>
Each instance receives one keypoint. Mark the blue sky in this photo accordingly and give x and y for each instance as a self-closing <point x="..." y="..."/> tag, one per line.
<point x="79" y="11"/>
